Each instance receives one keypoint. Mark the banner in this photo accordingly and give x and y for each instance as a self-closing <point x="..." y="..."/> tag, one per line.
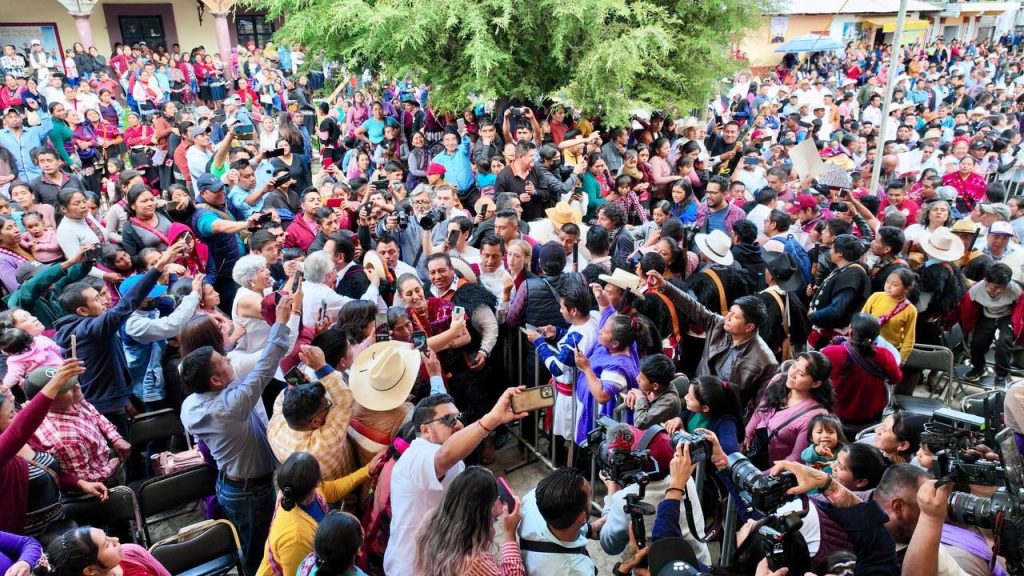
<point x="22" y="35"/>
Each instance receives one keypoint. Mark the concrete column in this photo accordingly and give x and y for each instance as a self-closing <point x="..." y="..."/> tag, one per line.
<point x="220" y="24"/>
<point x="84" y="29"/>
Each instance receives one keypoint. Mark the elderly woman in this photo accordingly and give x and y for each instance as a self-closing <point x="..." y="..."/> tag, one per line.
<point x="254" y="281"/>
<point x="147" y="226"/>
<point x="932" y="217"/>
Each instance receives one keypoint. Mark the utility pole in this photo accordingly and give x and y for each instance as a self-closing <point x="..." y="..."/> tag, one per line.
<point x="894" y="58"/>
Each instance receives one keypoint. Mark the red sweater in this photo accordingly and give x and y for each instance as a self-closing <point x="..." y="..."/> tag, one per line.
<point x="859" y="395"/>
<point x="14" y="469"/>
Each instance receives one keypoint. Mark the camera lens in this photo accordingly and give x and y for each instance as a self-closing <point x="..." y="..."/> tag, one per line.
<point x="971" y="510"/>
<point x="743" y="472"/>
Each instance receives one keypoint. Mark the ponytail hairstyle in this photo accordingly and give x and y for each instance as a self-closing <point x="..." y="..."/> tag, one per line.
<point x="719" y="397"/>
<point x="70" y="554"/>
<point x="866" y="465"/>
<point x="297" y="478"/>
<point x="624" y="330"/>
<point x="863" y="332"/>
<point x="819" y="368"/>
<point x="338" y="539"/>
<point x="14" y="341"/>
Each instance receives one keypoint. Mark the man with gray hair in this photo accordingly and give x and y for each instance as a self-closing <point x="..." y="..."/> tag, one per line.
<point x="319" y="298"/>
<point x="410" y="238"/>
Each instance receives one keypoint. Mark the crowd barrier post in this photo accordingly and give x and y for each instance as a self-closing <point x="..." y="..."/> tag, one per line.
<point x="521" y="436"/>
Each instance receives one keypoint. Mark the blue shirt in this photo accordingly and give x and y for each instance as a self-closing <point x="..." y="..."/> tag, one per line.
<point x="375" y="128"/>
<point x="21" y="148"/>
<point x="716" y="220"/>
<point x="228" y="422"/>
<point x="236" y="200"/>
<point x="458" y="167"/>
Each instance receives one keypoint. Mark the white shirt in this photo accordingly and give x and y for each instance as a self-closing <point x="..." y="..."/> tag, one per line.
<point x="494" y="281"/>
<point x="317" y="294"/>
<point x="415" y="492"/>
<point x="534" y="527"/>
<point x="197" y="159"/>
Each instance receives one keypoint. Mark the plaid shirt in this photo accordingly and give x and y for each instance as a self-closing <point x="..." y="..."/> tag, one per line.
<point x="80" y="439"/>
<point x="329" y="443"/>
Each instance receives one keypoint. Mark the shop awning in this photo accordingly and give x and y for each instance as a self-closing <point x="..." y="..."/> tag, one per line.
<point x="986" y="7"/>
<point x="889" y="24"/>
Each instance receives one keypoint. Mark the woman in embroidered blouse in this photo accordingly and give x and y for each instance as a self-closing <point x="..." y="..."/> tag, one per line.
<point x="12" y="255"/>
<point x="457" y="537"/>
<point x="432" y="315"/>
<point x="303" y="502"/>
<point x="147" y="227"/>
<point x="970" y="186"/>
<point x="61" y="134"/>
<point x="108" y="135"/>
<point x="137" y="133"/>
<point x="596" y="184"/>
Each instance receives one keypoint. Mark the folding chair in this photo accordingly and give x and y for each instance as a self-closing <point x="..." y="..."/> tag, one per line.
<point x="120" y="508"/>
<point x="209" y="548"/>
<point x="935" y="358"/>
<point x="157" y="425"/>
<point x="975" y="403"/>
<point x="161" y="498"/>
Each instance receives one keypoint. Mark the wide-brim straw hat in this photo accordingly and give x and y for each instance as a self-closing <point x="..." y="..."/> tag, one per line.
<point x="383" y="375"/>
<point x="716" y="245"/>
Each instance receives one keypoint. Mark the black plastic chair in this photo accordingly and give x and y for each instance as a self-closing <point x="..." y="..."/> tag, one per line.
<point x="162" y="498"/>
<point x="157" y="425"/>
<point x="209" y="548"/>
<point x="121" y="508"/>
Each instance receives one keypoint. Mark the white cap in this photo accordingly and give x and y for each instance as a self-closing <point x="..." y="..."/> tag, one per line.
<point x="34" y="42"/>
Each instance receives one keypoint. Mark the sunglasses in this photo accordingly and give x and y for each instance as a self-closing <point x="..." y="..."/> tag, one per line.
<point x="448" y="420"/>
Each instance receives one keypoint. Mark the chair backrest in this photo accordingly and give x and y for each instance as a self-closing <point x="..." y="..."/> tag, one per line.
<point x="935" y="358"/>
<point x="171" y="491"/>
<point x="156" y="425"/>
<point x="207" y="548"/>
<point x="975" y="403"/>
<point x="120" y="508"/>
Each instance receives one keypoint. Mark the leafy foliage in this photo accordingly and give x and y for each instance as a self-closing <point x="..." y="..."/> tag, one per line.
<point x="606" y="56"/>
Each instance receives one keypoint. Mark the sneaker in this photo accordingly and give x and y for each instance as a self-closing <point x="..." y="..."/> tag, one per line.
<point x="974" y="375"/>
<point x="999" y="383"/>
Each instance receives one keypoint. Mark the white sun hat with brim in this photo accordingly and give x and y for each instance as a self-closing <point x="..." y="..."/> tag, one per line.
<point x="716" y="245"/>
<point x="383" y="375"/>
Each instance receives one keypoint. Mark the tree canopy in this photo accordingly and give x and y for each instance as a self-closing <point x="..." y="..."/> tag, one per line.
<point x="607" y="57"/>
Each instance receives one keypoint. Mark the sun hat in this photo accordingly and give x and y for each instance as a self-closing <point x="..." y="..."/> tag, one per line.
<point x="464" y="269"/>
<point x="623" y="279"/>
<point x="373" y="260"/>
<point x="964" y="226"/>
<point x="716" y="245"/>
<point x="943" y="245"/>
<point x="563" y="213"/>
<point x="382" y="376"/>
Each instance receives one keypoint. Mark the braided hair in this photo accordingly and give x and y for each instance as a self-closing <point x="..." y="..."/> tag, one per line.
<point x="70" y="554"/>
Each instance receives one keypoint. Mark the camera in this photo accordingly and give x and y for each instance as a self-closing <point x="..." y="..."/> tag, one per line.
<point x="782" y="544"/>
<point x="403" y="219"/>
<point x="765" y="494"/>
<point x="432" y="218"/>
<point x="516" y="111"/>
<point x="700" y="447"/>
<point x="838" y="206"/>
<point x="952" y="436"/>
<point x="623" y="467"/>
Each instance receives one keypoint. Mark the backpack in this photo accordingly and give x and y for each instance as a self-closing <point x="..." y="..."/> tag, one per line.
<point x="376" y="519"/>
<point x="799" y="255"/>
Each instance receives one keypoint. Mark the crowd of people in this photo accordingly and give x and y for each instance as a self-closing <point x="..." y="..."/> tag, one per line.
<point x="330" y="294"/>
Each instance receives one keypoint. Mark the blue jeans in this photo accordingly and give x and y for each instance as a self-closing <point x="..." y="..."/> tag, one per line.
<point x="250" y="509"/>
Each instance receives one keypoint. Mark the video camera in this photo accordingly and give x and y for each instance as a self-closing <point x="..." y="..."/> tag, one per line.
<point x="1003" y="513"/>
<point x="621" y="466"/>
<point x="955" y="438"/>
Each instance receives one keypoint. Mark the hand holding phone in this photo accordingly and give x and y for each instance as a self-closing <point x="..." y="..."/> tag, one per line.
<point x="381" y="327"/>
<point x="419" y="340"/>
<point x="74" y="346"/>
<point x="506" y="495"/>
<point x="297" y="281"/>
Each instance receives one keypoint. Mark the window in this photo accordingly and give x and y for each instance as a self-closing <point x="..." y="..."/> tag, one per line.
<point x="254" y="27"/>
<point x="148" y="29"/>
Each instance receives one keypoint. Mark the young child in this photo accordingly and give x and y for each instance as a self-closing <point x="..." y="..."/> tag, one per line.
<point x="825" y="434"/>
<point x="560" y="358"/>
<point x="485" y="179"/>
<point x="5" y="207"/>
<point x="70" y="69"/>
<point x="897" y="317"/>
<point x="22" y="340"/>
<point x="627" y="198"/>
<point x="41" y="241"/>
<point x="656" y="400"/>
<point x="987" y="308"/>
<point x="711" y="404"/>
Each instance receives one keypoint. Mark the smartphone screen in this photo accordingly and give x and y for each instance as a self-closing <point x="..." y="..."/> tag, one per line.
<point x="297" y="281"/>
<point x="382" y="330"/>
<point x="453" y="238"/>
<point x="459" y="311"/>
<point x="323" y="311"/>
<point x="294" y="377"/>
<point x="506" y="495"/>
<point x="419" y="339"/>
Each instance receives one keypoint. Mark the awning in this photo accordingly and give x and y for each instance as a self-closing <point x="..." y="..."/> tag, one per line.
<point x="986" y="7"/>
<point x="889" y="24"/>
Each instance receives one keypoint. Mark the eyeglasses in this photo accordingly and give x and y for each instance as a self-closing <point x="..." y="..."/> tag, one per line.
<point x="326" y="408"/>
<point x="448" y="420"/>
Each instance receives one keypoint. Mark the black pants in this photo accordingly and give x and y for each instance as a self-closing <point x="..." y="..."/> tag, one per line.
<point x="469" y="198"/>
<point x="984" y="335"/>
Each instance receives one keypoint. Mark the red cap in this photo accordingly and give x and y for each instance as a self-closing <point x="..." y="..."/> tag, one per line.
<point x="802" y="202"/>
<point x="758" y="134"/>
<point x="436" y="168"/>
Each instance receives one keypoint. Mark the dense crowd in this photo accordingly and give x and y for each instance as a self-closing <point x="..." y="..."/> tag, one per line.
<point x="334" y="295"/>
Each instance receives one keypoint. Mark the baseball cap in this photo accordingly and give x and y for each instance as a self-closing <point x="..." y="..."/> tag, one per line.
<point x="11" y="109"/>
<point x="197" y="130"/>
<point x="997" y="208"/>
<point x="209" y="182"/>
<point x="802" y="202"/>
<point x="232" y="100"/>
<point x="40" y="377"/>
<point x="436" y="168"/>
<point x="130" y="282"/>
<point x="1001" y="228"/>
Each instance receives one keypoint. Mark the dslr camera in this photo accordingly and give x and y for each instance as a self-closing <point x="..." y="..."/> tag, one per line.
<point x="623" y="467"/>
<point x="432" y="218"/>
<point x="700" y="446"/>
<point x="759" y="492"/>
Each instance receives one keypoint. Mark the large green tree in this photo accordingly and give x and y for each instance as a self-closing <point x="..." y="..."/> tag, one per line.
<point x="606" y="56"/>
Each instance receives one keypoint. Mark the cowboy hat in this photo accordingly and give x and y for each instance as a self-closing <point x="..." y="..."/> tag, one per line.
<point x="932" y="133"/>
<point x="784" y="270"/>
<point x="964" y="226"/>
<point x="563" y="214"/>
<point x="979" y="111"/>
<point x="464" y="269"/>
<point x="691" y="122"/>
<point x="383" y="375"/>
<point x="943" y="245"/>
<point x="373" y="260"/>
<point x="717" y="246"/>
<point x="625" y="280"/>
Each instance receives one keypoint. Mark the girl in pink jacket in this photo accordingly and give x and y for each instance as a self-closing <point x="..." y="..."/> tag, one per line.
<point x="22" y="340"/>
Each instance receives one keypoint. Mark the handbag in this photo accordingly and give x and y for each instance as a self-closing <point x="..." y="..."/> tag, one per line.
<point x="171" y="462"/>
<point x="758" y="451"/>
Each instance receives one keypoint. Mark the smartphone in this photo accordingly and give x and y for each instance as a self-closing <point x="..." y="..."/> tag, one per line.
<point x="244" y="129"/>
<point x="328" y="162"/>
<point x="483" y="212"/>
<point x="534" y="399"/>
<point x="282" y="179"/>
<point x="335" y="202"/>
<point x="297" y="281"/>
<point x="506" y="495"/>
<point x="531" y="327"/>
<point x="185" y="237"/>
<point x="382" y="330"/>
<point x="294" y="377"/>
<point x="323" y="311"/>
<point x="93" y="254"/>
<point x="265" y="217"/>
<point x="272" y="153"/>
<point x="419" y="340"/>
<point x="458" y="311"/>
<point x="453" y="238"/>
<point x="74" y="346"/>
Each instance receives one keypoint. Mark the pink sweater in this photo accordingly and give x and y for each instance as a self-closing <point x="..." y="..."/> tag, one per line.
<point x="43" y="352"/>
<point x="44" y="249"/>
<point x="791" y="440"/>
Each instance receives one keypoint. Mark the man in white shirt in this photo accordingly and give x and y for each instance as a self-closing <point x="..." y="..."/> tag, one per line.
<point x="493" y="274"/>
<point x="318" y="295"/>
<point x="200" y="152"/>
<point x="430" y="464"/>
<point x="554" y="530"/>
<point x="873" y="112"/>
